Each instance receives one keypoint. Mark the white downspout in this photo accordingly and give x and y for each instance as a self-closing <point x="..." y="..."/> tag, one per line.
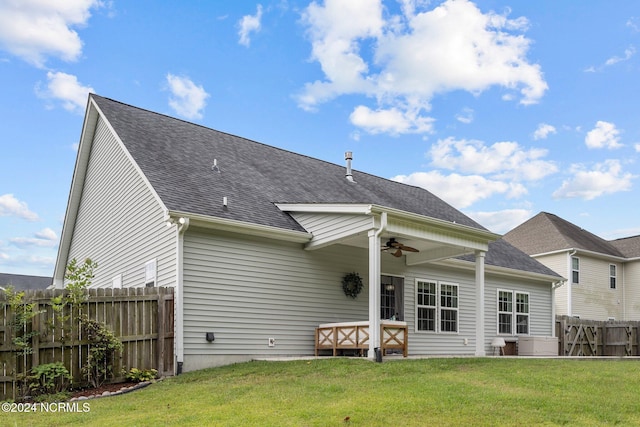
<point x="570" y="284"/>
<point x="374" y="287"/>
<point x="183" y="225"/>
<point x="554" y="286"/>
<point x="480" y="310"/>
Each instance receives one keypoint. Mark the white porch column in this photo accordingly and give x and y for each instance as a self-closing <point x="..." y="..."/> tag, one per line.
<point x="480" y="350"/>
<point x="374" y="293"/>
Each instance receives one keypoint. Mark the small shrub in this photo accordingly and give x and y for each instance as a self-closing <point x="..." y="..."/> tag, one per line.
<point x="104" y="346"/>
<point x="139" y="375"/>
<point x="49" y="378"/>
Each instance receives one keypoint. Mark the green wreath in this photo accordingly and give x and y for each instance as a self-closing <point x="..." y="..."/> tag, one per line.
<point x="352" y="284"/>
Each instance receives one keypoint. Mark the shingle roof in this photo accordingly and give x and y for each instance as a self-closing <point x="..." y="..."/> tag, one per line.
<point x="503" y="254"/>
<point x="23" y="282"/>
<point x="547" y="232"/>
<point x="177" y="158"/>
<point x="629" y="246"/>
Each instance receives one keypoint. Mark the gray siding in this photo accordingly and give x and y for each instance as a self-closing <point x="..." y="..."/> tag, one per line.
<point x="120" y="222"/>
<point x="247" y="290"/>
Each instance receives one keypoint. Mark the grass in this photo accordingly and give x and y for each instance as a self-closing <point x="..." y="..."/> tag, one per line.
<point x="324" y="392"/>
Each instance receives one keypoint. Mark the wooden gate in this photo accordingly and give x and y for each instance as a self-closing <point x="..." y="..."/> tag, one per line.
<point x="579" y="337"/>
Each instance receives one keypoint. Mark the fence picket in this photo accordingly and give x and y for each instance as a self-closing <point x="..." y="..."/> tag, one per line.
<point x="141" y="318"/>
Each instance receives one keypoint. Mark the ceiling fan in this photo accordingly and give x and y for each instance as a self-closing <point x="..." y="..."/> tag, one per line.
<point x="395" y="248"/>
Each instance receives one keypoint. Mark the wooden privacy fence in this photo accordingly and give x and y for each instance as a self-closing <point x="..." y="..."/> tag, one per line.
<point x="579" y="337"/>
<point x="141" y="318"/>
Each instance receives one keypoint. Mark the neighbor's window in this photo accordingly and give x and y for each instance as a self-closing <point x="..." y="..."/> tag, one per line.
<point x="575" y="270"/>
<point x="437" y="306"/>
<point x="513" y="317"/>
<point x="150" y="273"/>
<point x="612" y="276"/>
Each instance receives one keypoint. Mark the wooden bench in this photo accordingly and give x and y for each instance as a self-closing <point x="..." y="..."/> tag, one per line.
<point x="355" y="336"/>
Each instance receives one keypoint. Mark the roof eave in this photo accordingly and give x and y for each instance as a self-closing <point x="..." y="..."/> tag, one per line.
<point x="579" y="251"/>
<point x="505" y="271"/>
<point x="217" y="223"/>
<point x="369" y="209"/>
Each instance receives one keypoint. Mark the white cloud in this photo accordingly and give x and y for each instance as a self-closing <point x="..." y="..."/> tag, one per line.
<point x="10" y="206"/>
<point x="34" y="29"/>
<point x="187" y="100"/>
<point x="392" y="121"/>
<point x="637" y="147"/>
<point x="605" y="178"/>
<point x="460" y="48"/>
<point x="67" y="89"/>
<point x="628" y="54"/>
<point x="466" y="116"/>
<point x="503" y="160"/>
<point x="543" y="131"/>
<point x="461" y="191"/>
<point x="604" y="135"/>
<point x="44" y="238"/>
<point x="501" y="221"/>
<point x="249" y="24"/>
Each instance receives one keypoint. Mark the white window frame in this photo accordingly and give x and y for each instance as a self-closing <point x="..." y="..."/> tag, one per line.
<point x="575" y="272"/>
<point x="440" y="307"/>
<point x="150" y="273"/>
<point x="116" y="282"/>
<point x="613" y="277"/>
<point x="514" y="313"/>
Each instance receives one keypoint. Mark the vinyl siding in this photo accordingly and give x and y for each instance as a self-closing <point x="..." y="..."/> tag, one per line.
<point x="120" y="222"/>
<point x="329" y="227"/>
<point x="247" y="289"/>
<point x="592" y="298"/>
<point x="632" y="289"/>
<point x="559" y="263"/>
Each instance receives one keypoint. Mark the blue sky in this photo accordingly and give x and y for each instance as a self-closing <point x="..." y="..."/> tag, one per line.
<point x="502" y="108"/>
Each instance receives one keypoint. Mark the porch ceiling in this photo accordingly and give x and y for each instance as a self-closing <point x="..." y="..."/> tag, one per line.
<point x="429" y="250"/>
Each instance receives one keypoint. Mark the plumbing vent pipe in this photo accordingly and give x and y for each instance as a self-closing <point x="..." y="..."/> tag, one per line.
<point x="348" y="156"/>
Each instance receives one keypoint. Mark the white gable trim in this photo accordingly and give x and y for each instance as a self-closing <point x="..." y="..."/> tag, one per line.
<point x="77" y="184"/>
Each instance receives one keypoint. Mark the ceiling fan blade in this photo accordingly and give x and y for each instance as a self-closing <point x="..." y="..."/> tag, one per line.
<point x="397" y="253"/>
<point x="409" y="249"/>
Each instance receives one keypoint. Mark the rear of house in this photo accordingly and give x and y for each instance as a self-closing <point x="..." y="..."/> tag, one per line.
<point x="256" y="242"/>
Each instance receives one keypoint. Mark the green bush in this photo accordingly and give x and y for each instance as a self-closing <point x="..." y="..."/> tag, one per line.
<point x="49" y="378"/>
<point x="139" y="375"/>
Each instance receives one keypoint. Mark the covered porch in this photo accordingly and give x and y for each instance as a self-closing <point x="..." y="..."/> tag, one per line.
<point x="385" y="232"/>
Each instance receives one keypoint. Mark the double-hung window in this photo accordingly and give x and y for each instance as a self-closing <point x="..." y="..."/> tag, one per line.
<point x="612" y="276"/>
<point x="513" y="313"/>
<point x="575" y="270"/>
<point x="437" y="306"/>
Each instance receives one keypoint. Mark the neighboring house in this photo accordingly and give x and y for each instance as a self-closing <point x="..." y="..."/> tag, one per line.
<point x="21" y="282"/>
<point x="256" y="241"/>
<point x="604" y="276"/>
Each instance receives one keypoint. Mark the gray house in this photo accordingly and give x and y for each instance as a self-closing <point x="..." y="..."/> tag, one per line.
<point x="257" y="241"/>
<point x="23" y="282"/>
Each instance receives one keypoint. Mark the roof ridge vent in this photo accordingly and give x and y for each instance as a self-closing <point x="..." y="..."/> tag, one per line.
<point x="348" y="156"/>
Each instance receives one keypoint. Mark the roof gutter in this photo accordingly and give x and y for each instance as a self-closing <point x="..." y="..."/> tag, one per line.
<point x="585" y="252"/>
<point x="211" y="222"/>
<point x="505" y="271"/>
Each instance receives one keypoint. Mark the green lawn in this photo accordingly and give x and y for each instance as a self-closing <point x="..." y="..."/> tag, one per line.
<point x="324" y="392"/>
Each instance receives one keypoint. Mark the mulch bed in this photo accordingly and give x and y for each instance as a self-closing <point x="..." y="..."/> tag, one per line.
<point x="99" y="390"/>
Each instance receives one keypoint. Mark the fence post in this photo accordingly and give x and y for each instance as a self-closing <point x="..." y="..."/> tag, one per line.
<point x="161" y="332"/>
